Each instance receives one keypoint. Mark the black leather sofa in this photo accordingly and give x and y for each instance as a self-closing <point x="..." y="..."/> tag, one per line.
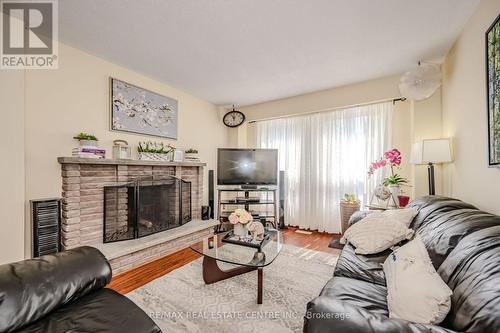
<point x="464" y="245"/>
<point x="65" y="293"/>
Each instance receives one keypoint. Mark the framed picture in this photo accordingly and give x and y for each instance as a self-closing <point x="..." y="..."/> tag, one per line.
<point x="137" y="110"/>
<point x="493" y="91"/>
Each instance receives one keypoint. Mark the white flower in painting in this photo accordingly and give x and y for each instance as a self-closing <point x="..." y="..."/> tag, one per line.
<point x="119" y="99"/>
<point x="151" y="115"/>
<point x="165" y="107"/>
<point x="164" y="118"/>
<point x="117" y="124"/>
<point x="129" y="113"/>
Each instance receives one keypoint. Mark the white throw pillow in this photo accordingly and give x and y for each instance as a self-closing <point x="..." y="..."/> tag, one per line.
<point x="415" y="291"/>
<point x="375" y="233"/>
<point x="404" y="215"/>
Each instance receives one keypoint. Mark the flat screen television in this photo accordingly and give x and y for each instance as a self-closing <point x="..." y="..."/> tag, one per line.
<point x="247" y="166"/>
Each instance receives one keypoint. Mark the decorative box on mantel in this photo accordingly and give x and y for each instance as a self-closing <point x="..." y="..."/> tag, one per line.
<point x="83" y="180"/>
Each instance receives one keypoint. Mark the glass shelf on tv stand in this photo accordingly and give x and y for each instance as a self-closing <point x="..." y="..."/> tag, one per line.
<point x="247" y="203"/>
<point x="264" y="189"/>
<point x="268" y="198"/>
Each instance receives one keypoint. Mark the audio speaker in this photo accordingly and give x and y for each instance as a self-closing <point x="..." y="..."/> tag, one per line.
<point x="281" y="212"/>
<point x="211" y="192"/>
<point x="205" y="212"/>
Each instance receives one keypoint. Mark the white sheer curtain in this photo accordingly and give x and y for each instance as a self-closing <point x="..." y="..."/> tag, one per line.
<point x="325" y="155"/>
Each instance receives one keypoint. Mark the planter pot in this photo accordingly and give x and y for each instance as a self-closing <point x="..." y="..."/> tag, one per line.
<point x="155" y="157"/>
<point x="394" y="193"/>
<point x="403" y="200"/>
<point x="191" y="156"/>
<point x="346" y="210"/>
<point x="240" y="230"/>
<point x="88" y="143"/>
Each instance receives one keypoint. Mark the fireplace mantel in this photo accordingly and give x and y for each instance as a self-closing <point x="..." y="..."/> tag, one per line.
<point x="80" y="160"/>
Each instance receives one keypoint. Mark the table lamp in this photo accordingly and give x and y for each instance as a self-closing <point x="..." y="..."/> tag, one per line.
<point x="430" y="152"/>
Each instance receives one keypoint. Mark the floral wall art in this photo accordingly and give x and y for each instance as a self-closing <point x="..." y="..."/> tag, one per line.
<point x="137" y="110"/>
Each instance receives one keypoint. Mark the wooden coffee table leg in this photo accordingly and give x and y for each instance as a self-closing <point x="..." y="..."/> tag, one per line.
<point x="212" y="273"/>
<point x="260" y="287"/>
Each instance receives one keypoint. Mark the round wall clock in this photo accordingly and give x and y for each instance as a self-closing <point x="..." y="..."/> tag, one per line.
<point x="233" y="118"/>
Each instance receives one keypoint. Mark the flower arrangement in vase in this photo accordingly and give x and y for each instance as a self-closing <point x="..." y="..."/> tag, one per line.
<point x="239" y="218"/>
<point x="391" y="158"/>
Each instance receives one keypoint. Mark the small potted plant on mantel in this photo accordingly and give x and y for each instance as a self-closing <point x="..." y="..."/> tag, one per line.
<point x="191" y="155"/>
<point x="154" y="151"/>
<point x="86" y="140"/>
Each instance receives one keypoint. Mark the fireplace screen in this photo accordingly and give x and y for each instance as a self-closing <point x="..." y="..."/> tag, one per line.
<point x="145" y="206"/>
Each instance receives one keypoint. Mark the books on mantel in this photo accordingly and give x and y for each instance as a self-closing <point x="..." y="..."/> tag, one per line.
<point x="89" y="152"/>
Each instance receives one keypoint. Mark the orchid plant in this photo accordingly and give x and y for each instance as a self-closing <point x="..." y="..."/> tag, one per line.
<point x="391" y="158"/>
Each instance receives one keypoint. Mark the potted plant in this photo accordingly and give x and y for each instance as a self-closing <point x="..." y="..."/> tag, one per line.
<point x="391" y="158"/>
<point x="86" y="140"/>
<point x="191" y="154"/>
<point x="348" y="205"/>
<point x="239" y="218"/>
<point x="154" y="151"/>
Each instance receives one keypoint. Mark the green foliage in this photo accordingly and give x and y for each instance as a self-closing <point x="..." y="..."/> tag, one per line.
<point x="191" y="151"/>
<point x="395" y="179"/>
<point x="154" y="147"/>
<point x="350" y="198"/>
<point x="85" y="136"/>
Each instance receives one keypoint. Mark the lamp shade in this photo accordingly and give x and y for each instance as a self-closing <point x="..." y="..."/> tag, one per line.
<point x="431" y="151"/>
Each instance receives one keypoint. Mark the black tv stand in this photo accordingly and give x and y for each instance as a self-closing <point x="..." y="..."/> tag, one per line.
<point x="251" y="198"/>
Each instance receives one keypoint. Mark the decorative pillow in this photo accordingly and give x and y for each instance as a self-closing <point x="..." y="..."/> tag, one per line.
<point x="415" y="291"/>
<point x="375" y="234"/>
<point x="404" y="216"/>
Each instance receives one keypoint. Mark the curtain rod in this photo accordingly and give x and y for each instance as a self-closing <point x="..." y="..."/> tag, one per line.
<point x="394" y="100"/>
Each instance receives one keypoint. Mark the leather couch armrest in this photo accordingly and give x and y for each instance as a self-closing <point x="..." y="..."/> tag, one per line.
<point x="31" y="289"/>
<point x="358" y="216"/>
<point x="325" y="314"/>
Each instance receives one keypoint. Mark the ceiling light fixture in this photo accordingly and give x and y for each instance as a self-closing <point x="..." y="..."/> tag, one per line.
<point x="421" y="82"/>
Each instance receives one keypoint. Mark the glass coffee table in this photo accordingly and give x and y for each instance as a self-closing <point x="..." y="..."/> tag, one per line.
<point x="246" y="258"/>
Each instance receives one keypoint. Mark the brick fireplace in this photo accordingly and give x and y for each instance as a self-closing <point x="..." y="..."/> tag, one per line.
<point x="145" y="206"/>
<point x="83" y="185"/>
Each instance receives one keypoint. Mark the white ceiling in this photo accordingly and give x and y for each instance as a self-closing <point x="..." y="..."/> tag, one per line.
<point x="250" y="51"/>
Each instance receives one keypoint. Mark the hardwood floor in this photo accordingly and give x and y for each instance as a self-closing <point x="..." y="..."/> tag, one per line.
<point x="316" y="241"/>
<point x="139" y="276"/>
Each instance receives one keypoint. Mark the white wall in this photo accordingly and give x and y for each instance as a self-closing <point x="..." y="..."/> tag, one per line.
<point x="426" y="124"/>
<point x="60" y="103"/>
<point x="12" y="165"/>
<point x="464" y="114"/>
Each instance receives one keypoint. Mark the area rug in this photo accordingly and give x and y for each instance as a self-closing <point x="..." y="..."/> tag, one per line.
<point x="181" y="302"/>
